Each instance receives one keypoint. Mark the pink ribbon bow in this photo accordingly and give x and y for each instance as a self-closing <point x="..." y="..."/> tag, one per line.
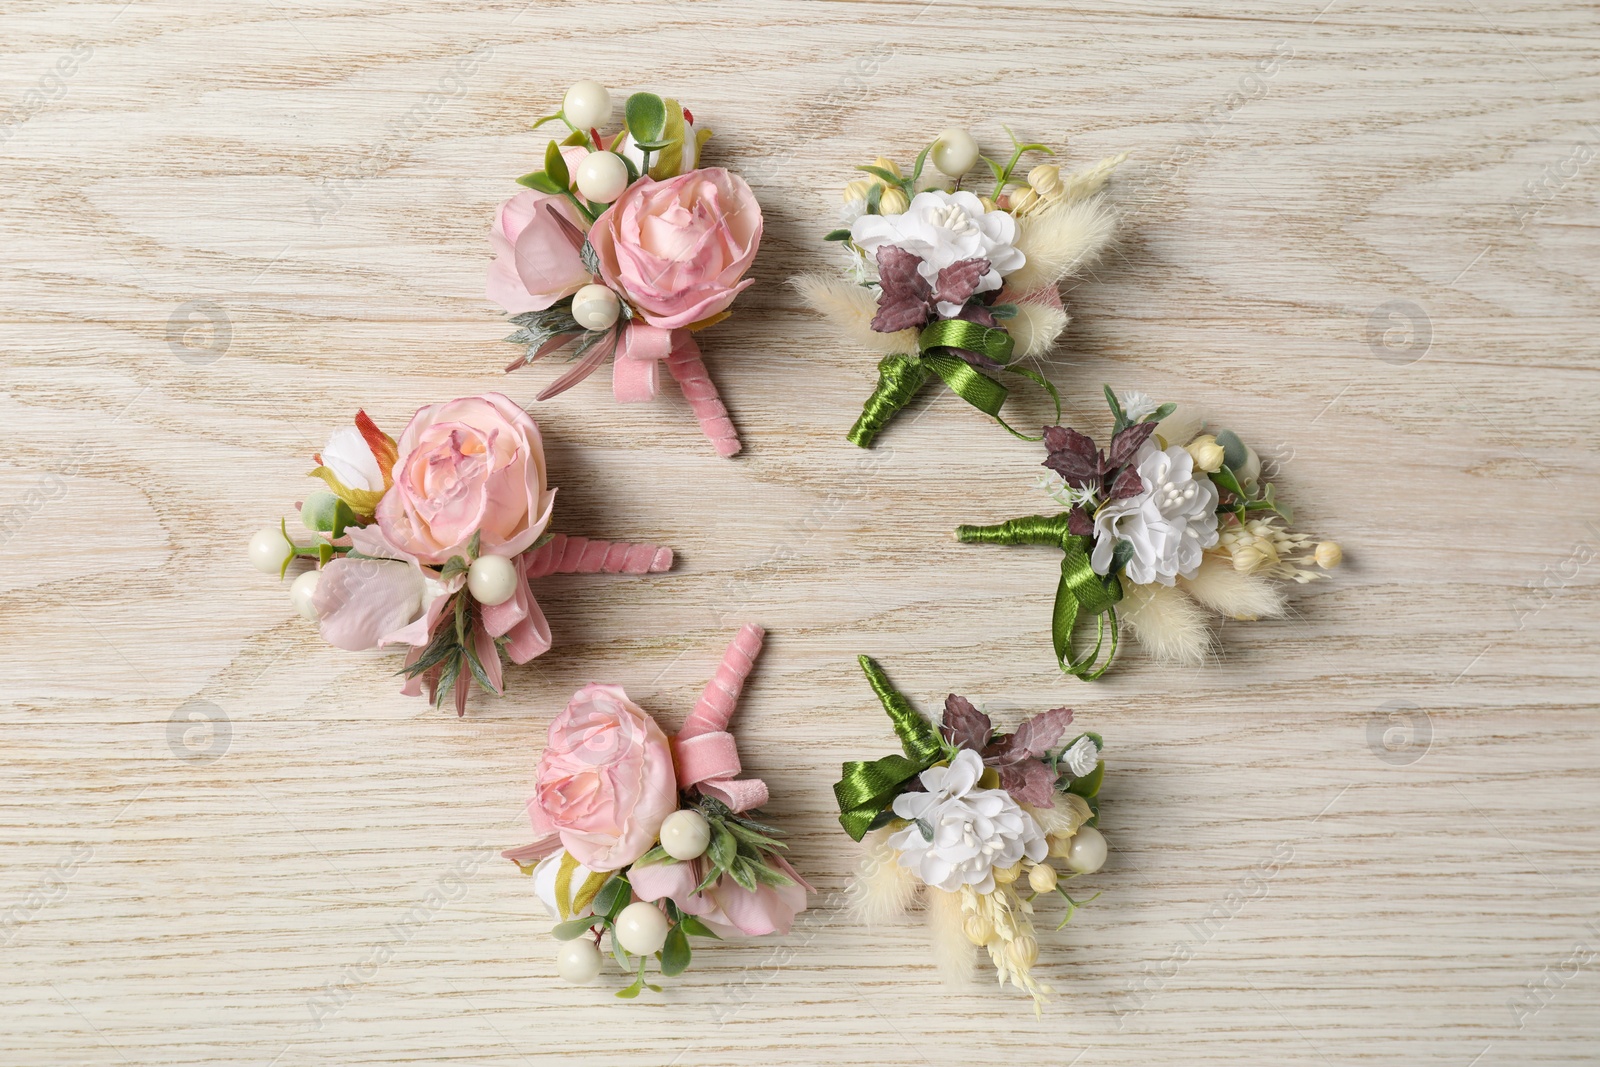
<point x="704" y="751"/>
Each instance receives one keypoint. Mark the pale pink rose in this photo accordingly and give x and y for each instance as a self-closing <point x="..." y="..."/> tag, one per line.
<point x="726" y="907"/>
<point x="605" y="781"/>
<point x="535" y="263"/>
<point x="360" y="602"/>
<point x="679" y="248"/>
<point x="474" y="465"/>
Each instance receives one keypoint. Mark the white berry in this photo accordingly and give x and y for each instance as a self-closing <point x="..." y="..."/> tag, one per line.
<point x="595" y="307"/>
<point x="492" y="580"/>
<point x="1087" y="853"/>
<point x="587" y="105"/>
<point x="270" y="550"/>
<point x="955" y="153"/>
<point x="578" y="961"/>
<point x="301" y="592"/>
<point x="641" y="928"/>
<point x="602" y="176"/>
<point x="685" y="834"/>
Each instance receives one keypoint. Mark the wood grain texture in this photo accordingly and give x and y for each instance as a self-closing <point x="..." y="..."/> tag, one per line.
<point x="1330" y="243"/>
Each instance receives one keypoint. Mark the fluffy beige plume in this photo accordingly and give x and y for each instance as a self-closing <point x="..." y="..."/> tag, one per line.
<point x="851" y="307"/>
<point x="1082" y="184"/>
<point x="1181" y="427"/>
<point x="1060" y="241"/>
<point x="882" y="888"/>
<point x="1036" y="328"/>
<point x="953" y="951"/>
<point x="1228" y="592"/>
<point x="1166" y="622"/>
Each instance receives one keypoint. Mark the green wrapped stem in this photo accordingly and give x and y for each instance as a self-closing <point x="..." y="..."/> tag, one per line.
<point x="1080" y="591"/>
<point x="864" y="789"/>
<point x="899" y="378"/>
<point x="917" y="735"/>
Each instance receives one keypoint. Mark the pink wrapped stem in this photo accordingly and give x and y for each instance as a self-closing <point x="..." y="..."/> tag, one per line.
<point x="705" y="753"/>
<point x="689" y="370"/>
<point x="582" y="555"/>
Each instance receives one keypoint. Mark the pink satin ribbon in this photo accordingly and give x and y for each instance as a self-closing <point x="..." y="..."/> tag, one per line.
<point x="704" y="751"/>
<point x="636" y="377"/>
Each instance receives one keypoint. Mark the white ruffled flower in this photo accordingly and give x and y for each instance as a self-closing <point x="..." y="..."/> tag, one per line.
<point x="1170" y="524"/>
<point x="974" y="830"/>
<point x="1080" y="759"/>
<point x="1136" y="405"/>
<point x="942" y="228"/>
<point x="350" y="458"/>
<point x="544" y="883"/>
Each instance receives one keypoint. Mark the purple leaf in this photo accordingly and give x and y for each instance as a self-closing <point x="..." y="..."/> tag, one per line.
<point x="905" y="300"/>
<point x="957" y="282"/>
<point x="1073" y="456"/>
<point x="979" y="314"/>
<point x="1126" y="444"/>
<point x="1043" y="730"/>
<point x="1078" y="522"/>
<point x="964" y="725"/>
<point x="1128" y="483"/>
<point x="1029" y="782"/>
<point x="896" y="315"/>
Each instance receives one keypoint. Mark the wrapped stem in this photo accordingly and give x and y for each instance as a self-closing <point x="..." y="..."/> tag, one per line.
<point x="899" y="378"/>
<point x="917" y="735"/>
<point x="721" y="694"/>
<point x="581" y="555"/>
<point x="689" y="370"/>
<point x="1027" y="530"/>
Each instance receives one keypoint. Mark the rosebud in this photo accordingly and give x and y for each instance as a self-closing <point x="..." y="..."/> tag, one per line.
<point x="1207" y="454"/>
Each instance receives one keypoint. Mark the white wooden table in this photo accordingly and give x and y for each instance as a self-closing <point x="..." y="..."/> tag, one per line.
<point x="1331" y="245"/>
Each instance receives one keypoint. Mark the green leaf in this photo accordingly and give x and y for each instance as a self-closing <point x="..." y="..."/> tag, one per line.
<point x="1160" y="413"/>
<point x="741" y="873"/>
<point x="653" y="146"/>
<point x="480" y="675"/>
<point x="655" y="855"/>
<point x="837" y="235"/>
<point x="555" y="167"/>
<point x="1120" y="417"/>
<point x="675" y="952"/>
<point x="324" y="553"/>
<point x="882" y="174"/>
<point x="590" y="260"/>
<point x="316" y="513"/>
<point x="922" y="157"/>
<point x="474" y="545"/>
<point x="453" y="566"/>
<point x="645" y="115"/>
<point x="1234" y="452"/>
<point x="874" y="199"/>
<point x="541" y="181"/>
<point x="632" y="991"/>
<point x="616" y="889"/>
<point x="1120" y="555"/>
<point x="577" y="138"/>
<point x="1004" y="311"/>
<point x="573" y="929"/>
<point x="1089" y="785"/>
<point x="996" y="169"/>
<point x="1225" y="477"/>
<point x="691" y="925"/>
<point x="724" y="849"/>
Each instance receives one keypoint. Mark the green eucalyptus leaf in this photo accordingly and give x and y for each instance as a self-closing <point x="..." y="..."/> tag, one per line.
<point x="1234" y="452"/>
<point x="316" y="513"/>
<point x="573" y="929"/>
<point x="691" y="925"/>
<point x="616" y="888"/>
<point x="675" y="952"/>
<point x="1004" y="311"/>
<point x="646" y="117"/>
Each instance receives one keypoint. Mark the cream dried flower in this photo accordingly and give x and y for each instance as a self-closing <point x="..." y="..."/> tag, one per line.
<point x="1262" y="546"/>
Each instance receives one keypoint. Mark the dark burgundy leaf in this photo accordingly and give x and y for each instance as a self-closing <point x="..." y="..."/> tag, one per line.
<point x="905" y="300"/>
<point x="1128" y="483"/>
<point x="1126" y="444"/>
<point x="1073" y="456"/>
<point x="957" y="282"/>
<point x="1029" y="782"/>
<point x="1043" y="730"/>
<point x="1078" y="522"/>
<point x="897" y="315"/>
<point x="964" y="725"/>
<point x="979" y="314"/>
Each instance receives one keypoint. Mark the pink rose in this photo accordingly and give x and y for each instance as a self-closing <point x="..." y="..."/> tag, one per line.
<point x="678" y="248"/>
<point x="474" y="465"/>
<point x="726" y="907"/>
<point x="534" y="261"/>
<point x="606" y="780"/>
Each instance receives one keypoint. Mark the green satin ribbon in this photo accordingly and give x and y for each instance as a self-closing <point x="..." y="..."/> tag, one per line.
<point x="1080" y="590"/>
<point x="900" y="376"/>
<point x="864" y="790"/>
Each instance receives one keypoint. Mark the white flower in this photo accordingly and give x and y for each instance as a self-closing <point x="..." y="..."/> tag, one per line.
<point x="852" y="210"/>
<point x="943" y="228"/>
<point x="974" y="830"/>
<point x="350" y="458"/>
<point x="544" y="883"/>
<point x="1170" y="524"/>
<point x="1137" y="405"/>
<point x="1080" y="759"/>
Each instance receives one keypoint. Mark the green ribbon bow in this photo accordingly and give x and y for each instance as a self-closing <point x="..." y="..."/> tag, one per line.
<point x="900" y="376"/>
<point x="1080" y="590"/>
<point x="864" y="790"/>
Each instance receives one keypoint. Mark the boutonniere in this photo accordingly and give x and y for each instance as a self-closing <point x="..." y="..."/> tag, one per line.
<point x="976" y="822"/>
<point x="1166" y="523"/>
<point x="624" y="248"/>
<point x="429" y="543"/>
<point x="644" y="840"/>
<point x="959" y="283"/>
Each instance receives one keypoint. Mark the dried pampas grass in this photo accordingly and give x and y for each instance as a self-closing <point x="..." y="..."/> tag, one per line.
<point x="851" y="308"/>
<point x="1036" y="328"/>
<point x="1059" y="241"/>
<point x="1166" y="622"/>
<point x="882" y="888"/>
<point x="1239" y="596"/>
<point x="956" y="956"/>
<point x="1082" y="184"/>
<point x="1181" y="427"/>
